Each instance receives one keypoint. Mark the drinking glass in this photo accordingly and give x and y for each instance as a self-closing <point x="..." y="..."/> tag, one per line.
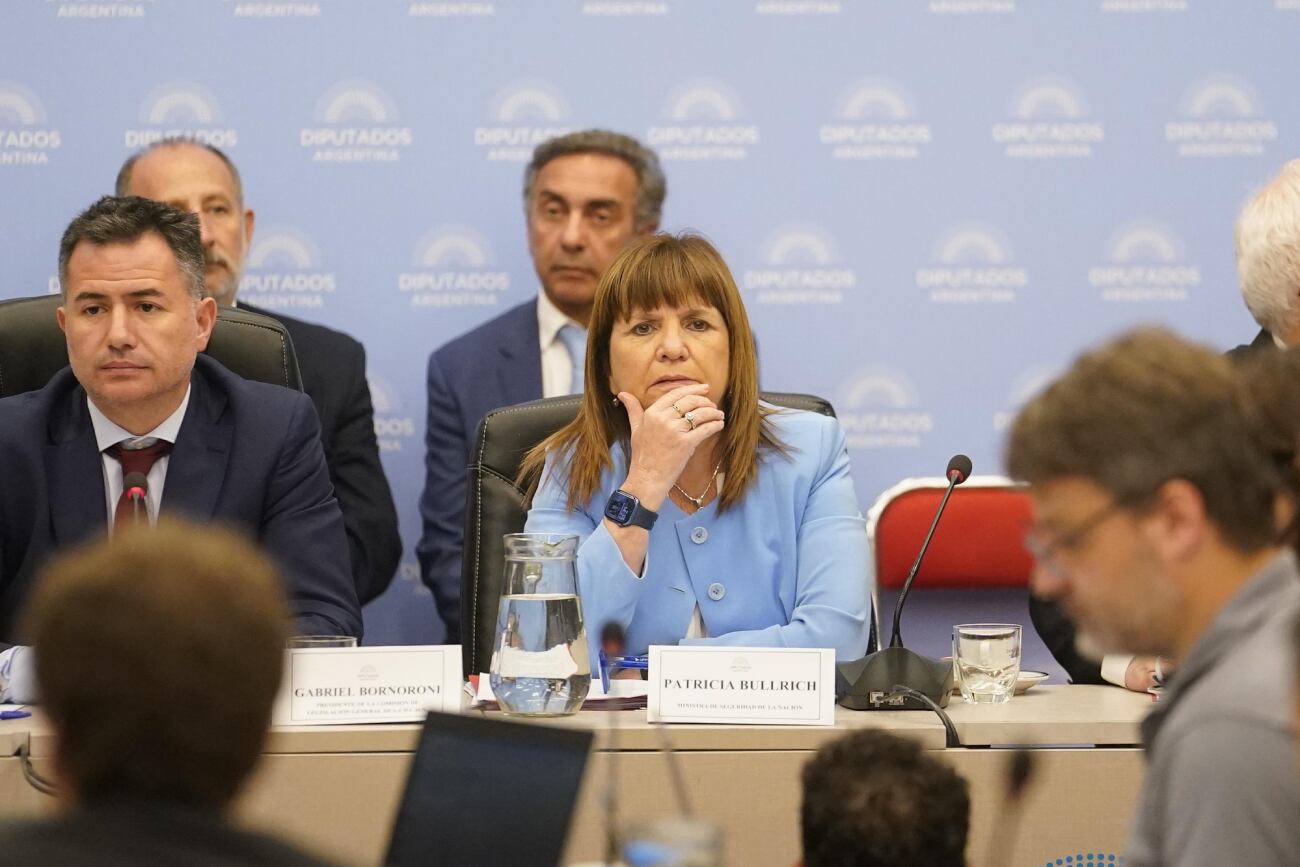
<point x="987" y="657"/>
<point x="539" y="662"/>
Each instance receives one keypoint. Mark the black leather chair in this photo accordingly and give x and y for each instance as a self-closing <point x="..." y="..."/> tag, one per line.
<point x="495" y="505"/>
<point x="32" y="348"/>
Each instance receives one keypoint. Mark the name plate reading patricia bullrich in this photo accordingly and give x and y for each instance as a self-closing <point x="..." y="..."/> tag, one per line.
<point x="752" y="685"/>
<point x="334" y="686"/>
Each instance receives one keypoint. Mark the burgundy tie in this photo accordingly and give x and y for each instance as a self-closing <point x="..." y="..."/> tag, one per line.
<point x="134" y="461"/>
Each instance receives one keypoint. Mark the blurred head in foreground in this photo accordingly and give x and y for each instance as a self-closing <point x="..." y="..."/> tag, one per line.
<point x="872" y="799"/>
<point x="158" y="657"/>
<point x="1156" y="489"/>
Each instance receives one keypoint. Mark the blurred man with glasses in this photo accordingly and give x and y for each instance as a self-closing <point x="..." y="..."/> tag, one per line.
<point x="1157" y="496"/>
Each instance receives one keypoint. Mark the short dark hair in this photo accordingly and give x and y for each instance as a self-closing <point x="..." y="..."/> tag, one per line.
<point x="651" y="188"/>
<point x="123" y="185"/>
<point x="872" y="799"/>
<point x="1146" y="408"/>
<point x="158" y="655"/>
<point x="123" y="219"/>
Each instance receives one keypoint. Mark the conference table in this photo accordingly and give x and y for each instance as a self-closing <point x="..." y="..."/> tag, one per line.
<point x="335" y="789"/>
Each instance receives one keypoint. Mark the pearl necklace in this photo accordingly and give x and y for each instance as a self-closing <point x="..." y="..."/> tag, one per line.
<point x="699" y="501"/>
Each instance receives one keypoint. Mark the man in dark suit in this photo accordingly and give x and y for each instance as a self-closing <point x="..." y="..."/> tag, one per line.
<point x="586" y="195"/>
<point x="141" y="423"/>
<point x="160" y="655"/>
<point x="201" y="179"/>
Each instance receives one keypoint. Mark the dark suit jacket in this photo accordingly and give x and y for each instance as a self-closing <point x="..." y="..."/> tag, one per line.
<point x="495" y="365"/>
<point x="1057" y="632"/>
<point x="1263" y="342"/>
<point x="333" y="367"/>
<point x="248" y="454"/>
<point x="134" y="833"/>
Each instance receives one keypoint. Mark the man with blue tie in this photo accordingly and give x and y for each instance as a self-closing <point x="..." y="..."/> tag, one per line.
<point x="140" y="423"/>
<point x="586" y="195"/>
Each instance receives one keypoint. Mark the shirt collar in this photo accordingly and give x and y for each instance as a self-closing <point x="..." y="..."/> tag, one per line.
<point x="1244" y="614"/>
<point x="110" y="433"/>
<point x="550" y="319"/>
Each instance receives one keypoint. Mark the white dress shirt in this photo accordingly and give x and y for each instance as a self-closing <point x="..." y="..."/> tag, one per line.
<point x="557" y="366"/>
<point x="109" y="433"/>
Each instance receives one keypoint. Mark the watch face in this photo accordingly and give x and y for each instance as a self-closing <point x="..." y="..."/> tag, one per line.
<point x="619" y="509"/>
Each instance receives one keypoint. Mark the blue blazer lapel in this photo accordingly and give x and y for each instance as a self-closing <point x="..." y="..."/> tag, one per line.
<point x="197" y="466"/>
<point x="76" y="475"/>
<point x="519" y="374"/>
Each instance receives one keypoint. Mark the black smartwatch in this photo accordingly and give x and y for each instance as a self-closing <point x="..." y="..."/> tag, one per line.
<point x="626" y="511"/>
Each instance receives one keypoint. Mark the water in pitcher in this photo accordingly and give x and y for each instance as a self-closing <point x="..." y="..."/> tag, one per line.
<point x="540" y="665"/>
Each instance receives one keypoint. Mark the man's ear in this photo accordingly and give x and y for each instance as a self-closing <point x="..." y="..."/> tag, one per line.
<point x="205" y="315"/>
<point x="1178" y="522"/>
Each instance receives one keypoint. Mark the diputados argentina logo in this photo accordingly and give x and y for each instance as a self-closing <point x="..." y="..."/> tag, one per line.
<point x="1145" y="261"/>
<point x="283" y="271"/>
<point x="881" y="410"/>
<point x="972" y="263"/>
<point x="394" y="429"/>
<point x="800" y="266"/>
<point x="78" y="9"/>
<point x="875" y="120"/>
<point x="1027" y="385"/>
<point x="453" y="267"/>
<point x="704" y="124"/>
<point x="445" y="9"/>
<point x="1221" y="117"/>
<point x="180" y="109"/>
<point x="26" y="137"/>
<point x="1049" y="120"/>
<point x="279" y="9"/>
<point x="523" y="115"/>
<point x="356" y="123"/>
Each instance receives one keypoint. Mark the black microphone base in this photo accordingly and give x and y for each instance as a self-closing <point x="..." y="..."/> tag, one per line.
<point x="868" y="683"/>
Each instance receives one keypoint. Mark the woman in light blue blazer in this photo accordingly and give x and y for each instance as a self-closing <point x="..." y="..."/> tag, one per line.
<point x="706" y="516"/>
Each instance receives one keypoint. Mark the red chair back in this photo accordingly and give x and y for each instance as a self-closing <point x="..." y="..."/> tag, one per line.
<point x="979" y="542"/>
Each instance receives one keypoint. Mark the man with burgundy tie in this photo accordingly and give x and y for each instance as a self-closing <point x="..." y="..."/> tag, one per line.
<point x="140" y="423"/>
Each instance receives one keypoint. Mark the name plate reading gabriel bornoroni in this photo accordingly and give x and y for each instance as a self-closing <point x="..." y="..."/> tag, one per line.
<point x="752" y="685"/>
<point x="336" y="686"/>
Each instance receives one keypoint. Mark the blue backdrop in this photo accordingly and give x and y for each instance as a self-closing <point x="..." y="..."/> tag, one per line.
<point x="930" y="206"/>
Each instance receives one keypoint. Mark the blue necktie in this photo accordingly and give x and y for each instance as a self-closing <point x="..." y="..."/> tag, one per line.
<point x="575" y="340"/>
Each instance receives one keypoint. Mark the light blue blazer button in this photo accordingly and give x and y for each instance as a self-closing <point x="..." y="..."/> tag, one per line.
<point x="716" y="591"/>
<point x="699" y="535"/>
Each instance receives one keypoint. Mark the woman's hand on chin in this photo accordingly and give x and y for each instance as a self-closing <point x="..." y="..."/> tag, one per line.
<point x="663" y="440"/>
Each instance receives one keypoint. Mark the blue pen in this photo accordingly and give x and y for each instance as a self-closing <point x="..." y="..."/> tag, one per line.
<point x="14" y="714"/>
<point x="608" y="663"/>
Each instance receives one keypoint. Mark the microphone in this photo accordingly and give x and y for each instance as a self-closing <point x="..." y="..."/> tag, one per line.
<point x="134" y="487"/>
<point x="959" y="467"/>
<point x="895" y="678"/>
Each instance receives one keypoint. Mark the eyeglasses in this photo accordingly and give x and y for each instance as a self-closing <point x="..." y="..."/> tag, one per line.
<point x="1045" y="552"/>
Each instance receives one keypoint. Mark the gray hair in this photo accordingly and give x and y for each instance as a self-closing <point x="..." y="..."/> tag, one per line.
<point x="652" y="186"/>
<point x="1268" y="252"/>
<point x="123" y="219"/>
<point x="123" y="186"/>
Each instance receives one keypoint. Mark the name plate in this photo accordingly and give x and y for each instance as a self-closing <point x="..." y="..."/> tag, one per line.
<point x="337" y="686"/>
<point x="750" y="685"/>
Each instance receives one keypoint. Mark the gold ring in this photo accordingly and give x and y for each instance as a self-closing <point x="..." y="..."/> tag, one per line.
<point x="678" y="411"/>
<point x="690" y="417"/>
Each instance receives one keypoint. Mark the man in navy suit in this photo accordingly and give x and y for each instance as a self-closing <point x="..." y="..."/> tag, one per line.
<point x="140" y="424"/>
<point x="201" y="179"/>
<point x="586" y="195"/>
